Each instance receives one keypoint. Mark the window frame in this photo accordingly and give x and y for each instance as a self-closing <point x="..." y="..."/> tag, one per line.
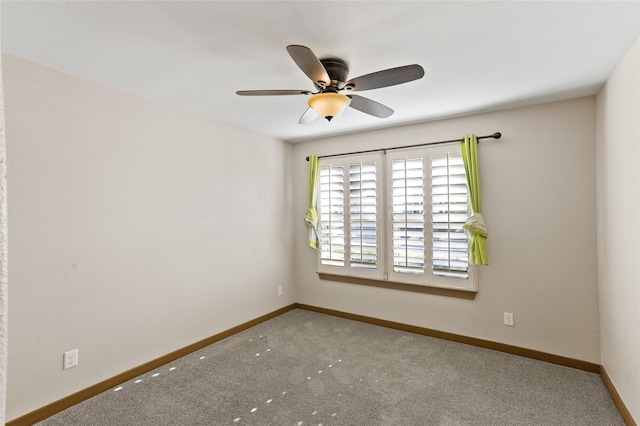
<point x="346" y="269"/>
<point x="384" y="223"/>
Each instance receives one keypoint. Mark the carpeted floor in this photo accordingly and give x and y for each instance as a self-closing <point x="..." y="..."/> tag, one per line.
<point x="305" y="368"/>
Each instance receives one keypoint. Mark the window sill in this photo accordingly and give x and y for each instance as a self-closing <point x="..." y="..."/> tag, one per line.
<point x="416" y="288"/>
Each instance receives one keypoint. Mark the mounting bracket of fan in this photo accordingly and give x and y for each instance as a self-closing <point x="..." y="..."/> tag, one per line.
<point x="338" y="71"/>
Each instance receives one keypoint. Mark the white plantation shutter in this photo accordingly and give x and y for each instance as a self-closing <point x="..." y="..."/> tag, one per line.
<point x="362" y="215"/>
<point x="402" y="222"/>
<point x="332" y="215"/>
<point x="407" y="199"/>
<point x="349" y="216"/>
<point x="449" y="204"/>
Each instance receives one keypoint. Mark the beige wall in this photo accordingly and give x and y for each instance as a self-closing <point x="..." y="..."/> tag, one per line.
<point x="539" y="204"/>
<point x="4" y="287"/>
<point x="618" y="189"/>
<point x="135" y="229"/>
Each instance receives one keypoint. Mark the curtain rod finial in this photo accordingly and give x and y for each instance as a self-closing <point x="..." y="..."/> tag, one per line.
<point x="496" y="135"/>
<point x="307" y="158"/>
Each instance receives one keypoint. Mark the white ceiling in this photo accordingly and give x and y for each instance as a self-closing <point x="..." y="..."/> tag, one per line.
<point x="478" y="55"/>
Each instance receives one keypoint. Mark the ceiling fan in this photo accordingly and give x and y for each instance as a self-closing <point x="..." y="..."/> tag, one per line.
<point x="329" y="76"/>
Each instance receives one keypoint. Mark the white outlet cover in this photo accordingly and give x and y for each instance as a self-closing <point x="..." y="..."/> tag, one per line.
<point x="70" y="359"/>
<point x="508" y="319"/>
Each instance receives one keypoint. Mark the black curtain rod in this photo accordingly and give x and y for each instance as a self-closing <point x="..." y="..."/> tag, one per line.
<point x="496" y="135"/>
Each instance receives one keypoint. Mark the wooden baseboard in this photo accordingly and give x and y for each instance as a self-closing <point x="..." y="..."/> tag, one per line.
<point x="71" y="400"/>
<point x="624" y="412"/>
<point x="502" y="347"/>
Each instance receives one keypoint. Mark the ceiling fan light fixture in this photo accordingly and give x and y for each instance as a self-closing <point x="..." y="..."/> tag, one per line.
<point x="329" y="105"/>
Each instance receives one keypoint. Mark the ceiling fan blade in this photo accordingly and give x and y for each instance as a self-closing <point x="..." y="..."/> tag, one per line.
<point x="385" y="78"/>
<point x="309" y="116"/>
<point x="309" y="64"/>
<point x="370" y="107"/>
<point x="271" y="92"/>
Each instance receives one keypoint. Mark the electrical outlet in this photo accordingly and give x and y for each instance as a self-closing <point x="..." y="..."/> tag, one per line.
<point x="279" y="290"/>
<point x="508" y="319"/>
<point x="70" y="359"/>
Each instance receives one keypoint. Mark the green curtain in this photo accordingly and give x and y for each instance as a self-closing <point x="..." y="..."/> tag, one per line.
<point x="311" y="217"/>
<point x="478" y="254"/>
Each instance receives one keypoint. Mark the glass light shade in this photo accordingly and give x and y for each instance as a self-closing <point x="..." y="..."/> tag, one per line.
<point x="329" y="105"/>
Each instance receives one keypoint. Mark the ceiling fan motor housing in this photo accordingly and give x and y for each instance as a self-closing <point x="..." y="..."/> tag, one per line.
<point x="338" y="71"/>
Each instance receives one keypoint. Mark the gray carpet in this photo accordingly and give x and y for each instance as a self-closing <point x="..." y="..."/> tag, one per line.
<point x="305" y="368"/>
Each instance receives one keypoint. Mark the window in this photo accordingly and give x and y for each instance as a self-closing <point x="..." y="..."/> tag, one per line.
<point x="350" y="216"/>
<point x="449" y="201"/>
<point x="362" y="215"/>
<point x="397" y="217"/>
